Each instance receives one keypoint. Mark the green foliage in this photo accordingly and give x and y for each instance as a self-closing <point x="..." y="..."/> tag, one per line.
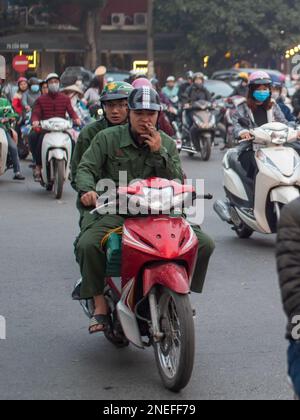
<point x="256" y="30"/>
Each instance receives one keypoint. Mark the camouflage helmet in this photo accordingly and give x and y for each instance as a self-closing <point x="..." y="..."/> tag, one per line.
<point x="115" y="91"/>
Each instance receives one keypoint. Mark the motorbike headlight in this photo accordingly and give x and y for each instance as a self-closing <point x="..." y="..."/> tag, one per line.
<point x="198" y="121"/>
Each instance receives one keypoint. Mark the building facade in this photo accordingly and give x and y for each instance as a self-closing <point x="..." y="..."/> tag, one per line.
<point x="56" y="40"/>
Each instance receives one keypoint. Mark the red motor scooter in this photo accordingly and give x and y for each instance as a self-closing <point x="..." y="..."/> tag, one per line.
<point x="149" y="297"/>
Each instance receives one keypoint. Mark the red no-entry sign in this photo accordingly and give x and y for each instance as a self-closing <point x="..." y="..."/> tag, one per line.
<point x="20" y="63"/>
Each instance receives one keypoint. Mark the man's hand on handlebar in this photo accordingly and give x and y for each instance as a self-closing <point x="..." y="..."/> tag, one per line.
<point x="89" y="199"/>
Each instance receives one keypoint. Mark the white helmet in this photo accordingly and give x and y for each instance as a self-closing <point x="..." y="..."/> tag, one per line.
<point x="52" y="76"/>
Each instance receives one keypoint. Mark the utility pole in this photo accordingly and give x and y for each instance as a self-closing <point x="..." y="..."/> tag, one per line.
<point x="150" y="41"/>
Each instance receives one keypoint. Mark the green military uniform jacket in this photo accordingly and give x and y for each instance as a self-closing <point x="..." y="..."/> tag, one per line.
<point x="83" y="143"/>
<point x="114" y="150"/>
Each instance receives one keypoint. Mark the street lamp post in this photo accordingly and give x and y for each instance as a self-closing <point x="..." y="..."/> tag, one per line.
<point x="150" y="41"/>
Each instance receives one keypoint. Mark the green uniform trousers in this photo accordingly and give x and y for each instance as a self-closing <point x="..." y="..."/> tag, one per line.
<point x="92" y="259"/>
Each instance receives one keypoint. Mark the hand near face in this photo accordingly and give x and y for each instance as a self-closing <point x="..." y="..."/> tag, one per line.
<point x="153" y="138"/>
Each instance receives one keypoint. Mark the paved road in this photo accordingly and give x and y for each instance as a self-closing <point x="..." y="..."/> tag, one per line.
<point x="48" y="353"/>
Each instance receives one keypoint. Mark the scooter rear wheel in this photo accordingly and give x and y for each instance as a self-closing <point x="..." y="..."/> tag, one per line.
<point x="175" y="353"/>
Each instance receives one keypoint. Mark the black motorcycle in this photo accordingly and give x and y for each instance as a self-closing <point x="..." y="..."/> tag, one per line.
<point x="199" y="138"/>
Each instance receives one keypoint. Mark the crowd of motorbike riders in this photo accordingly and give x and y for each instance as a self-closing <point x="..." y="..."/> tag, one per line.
<point x="142" y="118"/>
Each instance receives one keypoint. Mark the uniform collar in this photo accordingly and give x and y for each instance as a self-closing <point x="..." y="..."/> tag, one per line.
<point x="127" y="138"/>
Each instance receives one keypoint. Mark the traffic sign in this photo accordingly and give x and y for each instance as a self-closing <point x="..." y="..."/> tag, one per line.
<point x="20" y="63"/>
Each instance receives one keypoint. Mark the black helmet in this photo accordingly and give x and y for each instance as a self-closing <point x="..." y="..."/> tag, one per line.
<point x="34" y="81"/>
<point x="144" y="98"/>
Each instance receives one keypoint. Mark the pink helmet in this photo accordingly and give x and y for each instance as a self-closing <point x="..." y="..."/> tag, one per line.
<point x="22" y="79"/>
<point x="260" y="78"/>
<point x="140" y="83"/>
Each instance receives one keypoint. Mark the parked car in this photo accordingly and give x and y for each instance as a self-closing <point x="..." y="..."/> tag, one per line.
<point x="72" y="74"/>
<point x="219" y="89"/>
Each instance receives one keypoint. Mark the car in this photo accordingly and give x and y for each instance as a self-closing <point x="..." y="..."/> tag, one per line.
<point x="219" y="89"/>
<point x="231" y="75"/>
<point x="117" y="75"/>
<point x="72" y="74"/>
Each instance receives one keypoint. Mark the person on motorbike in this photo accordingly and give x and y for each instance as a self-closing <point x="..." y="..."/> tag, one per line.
<point x="257" y="110"/>
<point x="32" y="94"/>
<point x="44" y="87"/>
<point x="52" y="105"/>
<point x="142" y="151"/>
<point x="171" y="90"/>
<point x="277" y="95"/>
<point x="114" y="100"/>
<point x="17" y="102"/>
<point x="185" y="86"/>
<point x="194" y="93"/>
<point x="7" y="114"/>
<point x="242" y="88"/>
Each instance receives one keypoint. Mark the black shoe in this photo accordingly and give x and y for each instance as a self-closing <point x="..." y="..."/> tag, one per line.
<point x="19" y="177"/>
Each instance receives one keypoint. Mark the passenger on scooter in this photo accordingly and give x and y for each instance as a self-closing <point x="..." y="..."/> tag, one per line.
<point x="277" y="95"/>
<point x="6" y="114"/>
<point x="257" y="110"/>
<point x="142" y="151"/>
<point x="114" y="100"/>
<point x="52" y="105"/>
<point x="32" y="94"/>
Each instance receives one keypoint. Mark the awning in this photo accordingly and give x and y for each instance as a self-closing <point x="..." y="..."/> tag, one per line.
<point x="43" y="42"/>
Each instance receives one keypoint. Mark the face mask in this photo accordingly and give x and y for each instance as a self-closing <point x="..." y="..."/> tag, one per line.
<point x="35" y="88"/>
<point x="261" y="95"/>
<point x="54" y="87"/>
<point x="276" y="95"/>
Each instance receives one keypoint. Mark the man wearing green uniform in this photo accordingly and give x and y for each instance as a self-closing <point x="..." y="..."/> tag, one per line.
<point x="143" y="152"/>
<point x="114" y="100"/>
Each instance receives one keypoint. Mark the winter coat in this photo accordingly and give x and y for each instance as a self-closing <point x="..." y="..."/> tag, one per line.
<point x="288" y="261"/>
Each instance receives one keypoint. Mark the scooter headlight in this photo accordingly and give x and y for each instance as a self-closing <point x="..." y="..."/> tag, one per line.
<point x="158" y="200"/>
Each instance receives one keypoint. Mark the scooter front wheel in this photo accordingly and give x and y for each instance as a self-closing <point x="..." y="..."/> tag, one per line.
<point x="175" y="352"/>
<point x="244" y="232"/>
<point x="59" y="178"/>
<point x="206" y="149"/>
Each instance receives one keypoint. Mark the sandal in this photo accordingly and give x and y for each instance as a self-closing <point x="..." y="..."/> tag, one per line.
<point x="97" y="321"/>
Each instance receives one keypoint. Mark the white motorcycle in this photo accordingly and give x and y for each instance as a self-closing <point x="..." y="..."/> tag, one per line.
<point x="255" y="206"/>
<point x="3" y="151"/>
<point x="56" y="154"/>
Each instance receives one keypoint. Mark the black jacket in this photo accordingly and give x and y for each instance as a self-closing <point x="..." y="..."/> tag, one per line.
<point x="288" y="260"/>
<point x="197" y="93"/>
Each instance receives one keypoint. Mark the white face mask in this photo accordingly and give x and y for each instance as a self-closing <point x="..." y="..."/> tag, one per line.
<point x="54" y="87"/>
<point x="276" y="95"/>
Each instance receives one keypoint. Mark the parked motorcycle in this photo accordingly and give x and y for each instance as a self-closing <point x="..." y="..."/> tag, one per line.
<point x="149" y="274"/>
<point x="255" y="206"/>
<point x="200" y="137"/>
<point x="56" y="154"/>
